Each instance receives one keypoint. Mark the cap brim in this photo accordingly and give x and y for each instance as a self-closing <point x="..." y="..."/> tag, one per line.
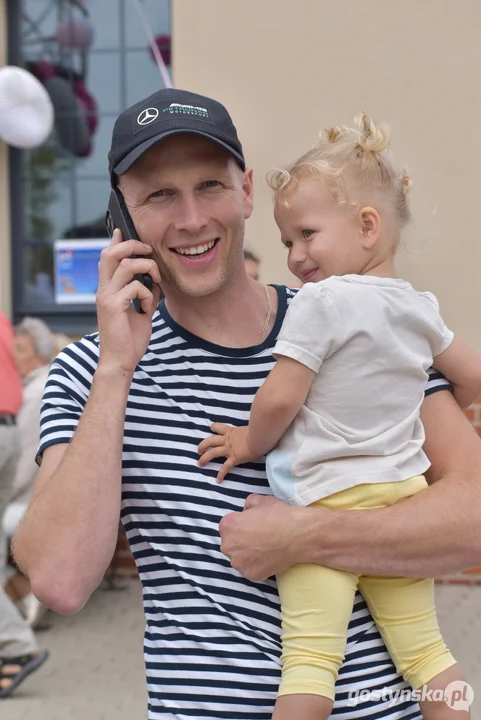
<point x="134" y="155"/>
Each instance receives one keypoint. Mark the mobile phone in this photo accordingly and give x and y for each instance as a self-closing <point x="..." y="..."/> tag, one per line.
<point x="118" y="216"/>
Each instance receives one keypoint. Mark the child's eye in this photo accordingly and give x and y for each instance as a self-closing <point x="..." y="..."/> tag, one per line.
<point x="287" y="245"/>
<point x="306" y="233"/>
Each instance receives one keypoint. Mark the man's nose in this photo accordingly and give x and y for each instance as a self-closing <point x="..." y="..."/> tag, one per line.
<point x="191" y="216"/>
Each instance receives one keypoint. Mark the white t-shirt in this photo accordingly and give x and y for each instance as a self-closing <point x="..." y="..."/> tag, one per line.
<point x="371" y="342"/>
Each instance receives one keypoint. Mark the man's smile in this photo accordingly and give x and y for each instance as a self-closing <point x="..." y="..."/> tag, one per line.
<point x="197" y="254"/>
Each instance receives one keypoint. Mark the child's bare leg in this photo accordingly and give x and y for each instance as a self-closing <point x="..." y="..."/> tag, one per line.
<point x="433" y="709"/>
<point x="302" y="707"/>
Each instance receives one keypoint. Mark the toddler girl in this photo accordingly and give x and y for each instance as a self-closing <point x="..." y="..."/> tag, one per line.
<point x="339" y="415"/>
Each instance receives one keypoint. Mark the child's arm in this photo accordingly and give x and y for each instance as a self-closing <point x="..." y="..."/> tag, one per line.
<point x="461" y="364"/>
<point x="275" y="406"/>
<point x="311" y="332"/>
<point x="277" y="403"/>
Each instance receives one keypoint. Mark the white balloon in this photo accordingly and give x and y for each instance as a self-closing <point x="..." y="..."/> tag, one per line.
<point x="26" y="111"/>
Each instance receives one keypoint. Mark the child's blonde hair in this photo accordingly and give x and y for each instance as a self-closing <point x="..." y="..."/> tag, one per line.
<point x="355" y="166"/>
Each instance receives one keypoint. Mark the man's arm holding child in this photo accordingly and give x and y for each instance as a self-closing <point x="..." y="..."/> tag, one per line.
<point x="461" y="364"/>
<point x="433" y="533"/>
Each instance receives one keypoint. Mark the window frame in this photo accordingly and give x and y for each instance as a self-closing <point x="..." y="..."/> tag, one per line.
<point x="75" y="319"/>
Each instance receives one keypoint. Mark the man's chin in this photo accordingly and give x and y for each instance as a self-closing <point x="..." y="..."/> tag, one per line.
<point x="194" y="287"/>
<point x="196" y="283"/>
<point x="201" y="290"/>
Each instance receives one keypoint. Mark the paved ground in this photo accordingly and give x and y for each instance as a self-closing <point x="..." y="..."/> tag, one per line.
<point x="459" y="613"/>
<point x="96" y="669"/>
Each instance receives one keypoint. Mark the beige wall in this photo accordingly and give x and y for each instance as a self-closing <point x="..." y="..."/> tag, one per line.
<point x="5" y="282"/>
<point x="286" y="69"/>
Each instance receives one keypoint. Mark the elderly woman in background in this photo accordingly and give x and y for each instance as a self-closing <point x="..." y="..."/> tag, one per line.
<point x="35" y="347"/>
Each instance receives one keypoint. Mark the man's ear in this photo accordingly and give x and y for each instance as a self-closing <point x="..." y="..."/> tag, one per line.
<point x="248" y="192"/>
<point x="370" y="227"/>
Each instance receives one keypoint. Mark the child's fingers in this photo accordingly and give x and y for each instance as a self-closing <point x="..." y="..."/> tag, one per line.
<point x="210" y="442"/>
<point x="212" y="454"/>
<point x="220" y="428"/>
<point x="226" y="468"/>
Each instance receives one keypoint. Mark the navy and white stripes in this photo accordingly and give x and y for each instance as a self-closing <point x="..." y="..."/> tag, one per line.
<point x="212" y="640"/>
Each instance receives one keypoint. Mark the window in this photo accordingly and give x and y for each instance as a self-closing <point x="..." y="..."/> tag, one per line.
<point x="60" y="190"/>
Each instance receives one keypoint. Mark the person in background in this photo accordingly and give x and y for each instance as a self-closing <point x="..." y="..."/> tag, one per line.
<point x="19" y="653"/>
<point x="61" y="341"/>
<point x="34" y="348"/>
<point x="252" y="263"/>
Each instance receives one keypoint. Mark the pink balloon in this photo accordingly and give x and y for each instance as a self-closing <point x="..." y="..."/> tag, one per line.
<point x="74" y="33"/>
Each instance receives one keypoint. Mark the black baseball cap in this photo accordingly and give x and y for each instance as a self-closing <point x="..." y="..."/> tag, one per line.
<point x="169" y="112"/>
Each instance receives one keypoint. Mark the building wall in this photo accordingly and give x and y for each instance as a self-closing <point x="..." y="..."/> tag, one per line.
<point x="287" y="69"/>
<point x="5" y="268"/>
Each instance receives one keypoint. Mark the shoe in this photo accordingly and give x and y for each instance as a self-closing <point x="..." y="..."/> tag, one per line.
<point x="26" y="664"/>
<point x="33" y="610"/>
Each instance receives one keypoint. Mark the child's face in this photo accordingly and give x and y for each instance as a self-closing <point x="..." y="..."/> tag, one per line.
<point x="322" y="238"/>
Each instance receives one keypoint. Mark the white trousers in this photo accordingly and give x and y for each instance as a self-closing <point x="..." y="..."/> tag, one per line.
<point x="16" y="638"/>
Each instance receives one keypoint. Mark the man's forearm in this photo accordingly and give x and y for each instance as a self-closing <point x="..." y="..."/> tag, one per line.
<point x="433" y="533"/>
<point x="68" y="535"/>
<point x="423" y="536"/>
<point x="436" y="532"/>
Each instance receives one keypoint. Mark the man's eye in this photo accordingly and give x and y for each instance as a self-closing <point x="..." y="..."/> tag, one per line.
<point x="306" y="233"/>
<point x="159" y="193"/>
<point x="211" y="184"/>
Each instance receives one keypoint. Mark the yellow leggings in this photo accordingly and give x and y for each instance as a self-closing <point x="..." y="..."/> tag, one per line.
<point x="317" y="605"/>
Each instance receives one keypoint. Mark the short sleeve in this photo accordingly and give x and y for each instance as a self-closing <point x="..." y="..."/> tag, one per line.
<point x="66" y="392"/>
<point x="436" y="383"/>
<point x="442" y="336"/>
<point x="312" y="329"/>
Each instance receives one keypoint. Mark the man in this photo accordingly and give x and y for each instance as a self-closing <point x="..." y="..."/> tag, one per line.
<point x="19" y="654"/>
<point x="124" y="413"/>
<point x="252" y="264"/>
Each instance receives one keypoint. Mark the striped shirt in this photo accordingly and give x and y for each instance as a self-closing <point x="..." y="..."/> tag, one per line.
<point x="212" y="639"/>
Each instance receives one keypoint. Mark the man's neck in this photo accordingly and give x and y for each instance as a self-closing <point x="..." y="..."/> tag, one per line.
<point x="233" y="317"/>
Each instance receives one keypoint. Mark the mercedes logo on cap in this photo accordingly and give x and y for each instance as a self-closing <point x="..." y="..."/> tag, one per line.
<point x="147" y="116"/>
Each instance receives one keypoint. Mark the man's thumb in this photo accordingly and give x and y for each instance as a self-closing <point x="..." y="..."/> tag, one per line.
<point x="253" y="501"/>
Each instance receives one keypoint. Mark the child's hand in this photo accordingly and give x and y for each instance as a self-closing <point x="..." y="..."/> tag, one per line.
<point x="230" y="442"/>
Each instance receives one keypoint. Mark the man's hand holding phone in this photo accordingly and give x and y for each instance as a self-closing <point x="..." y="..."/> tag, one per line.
<point x="123" y="333"/>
